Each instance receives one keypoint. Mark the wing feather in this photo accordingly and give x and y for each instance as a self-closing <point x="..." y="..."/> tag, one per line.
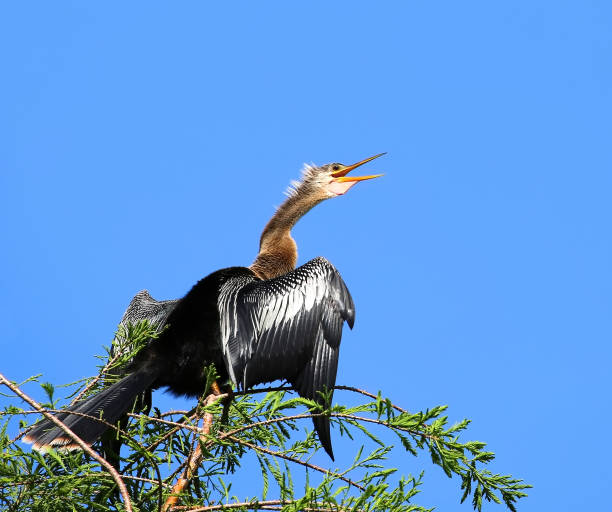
<point x="288" y="328"/>
<point x="142" y="307"/>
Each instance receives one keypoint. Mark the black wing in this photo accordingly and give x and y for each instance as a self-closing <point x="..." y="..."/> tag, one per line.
<point x="142" y="307"/>
<point x="115" y="399"/>
<point x="287" y="328"/>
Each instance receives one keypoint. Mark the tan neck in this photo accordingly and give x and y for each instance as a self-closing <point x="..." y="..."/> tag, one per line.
<point x="277" y="249"/>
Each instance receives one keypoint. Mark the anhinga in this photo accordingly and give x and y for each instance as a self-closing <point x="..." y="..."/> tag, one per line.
<point x="258" y="324"/>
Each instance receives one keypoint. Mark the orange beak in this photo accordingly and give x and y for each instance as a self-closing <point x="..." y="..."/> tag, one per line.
<point x="341" y="175"/>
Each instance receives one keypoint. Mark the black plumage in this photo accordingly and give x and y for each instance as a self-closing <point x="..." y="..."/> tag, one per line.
<point x="267" y="322"/>
<point x="284" y="328"/>
<point x="287" y="328"/>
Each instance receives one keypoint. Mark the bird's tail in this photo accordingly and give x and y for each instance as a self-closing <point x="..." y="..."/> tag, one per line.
<point x="82" y="419"/>
<point x="322" y="427"/>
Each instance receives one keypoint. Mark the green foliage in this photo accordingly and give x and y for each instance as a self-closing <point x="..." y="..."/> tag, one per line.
<point x="259" y="437"/>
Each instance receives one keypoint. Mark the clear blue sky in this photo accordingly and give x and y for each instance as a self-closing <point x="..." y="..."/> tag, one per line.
<point x="145" y="144"/>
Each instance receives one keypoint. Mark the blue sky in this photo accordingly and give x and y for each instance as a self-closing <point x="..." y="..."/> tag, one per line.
<point x="145" y="145"/>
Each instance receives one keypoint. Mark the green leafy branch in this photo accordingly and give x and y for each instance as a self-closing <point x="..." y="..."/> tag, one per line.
<point x="215" y="448"/>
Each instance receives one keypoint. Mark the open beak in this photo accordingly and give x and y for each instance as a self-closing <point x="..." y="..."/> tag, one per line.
<point x="340" y="176"/>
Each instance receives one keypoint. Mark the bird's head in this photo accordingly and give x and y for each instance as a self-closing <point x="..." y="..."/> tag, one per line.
<point x="329" y="180"/>
<point x="277" y="250"/>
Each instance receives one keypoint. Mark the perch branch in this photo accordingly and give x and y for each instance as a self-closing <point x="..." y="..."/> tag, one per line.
<point x="84" y="446"/>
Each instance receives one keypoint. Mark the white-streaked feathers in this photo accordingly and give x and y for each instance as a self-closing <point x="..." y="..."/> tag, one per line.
<point x="266" y="320"/>
<point x="310" y="174"/>
<point x="142" y="307"/>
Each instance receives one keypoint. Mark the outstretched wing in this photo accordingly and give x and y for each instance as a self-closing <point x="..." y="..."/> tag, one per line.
<point x="287" y="328"/>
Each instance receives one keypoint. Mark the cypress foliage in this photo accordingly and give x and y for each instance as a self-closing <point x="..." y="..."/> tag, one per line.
<point x="211" y="457"/>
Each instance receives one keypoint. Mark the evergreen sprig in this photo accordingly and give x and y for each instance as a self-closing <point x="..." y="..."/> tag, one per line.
<point x="261" y="432"/>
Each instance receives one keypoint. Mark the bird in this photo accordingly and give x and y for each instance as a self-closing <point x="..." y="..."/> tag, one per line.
<point x="257" y="324"/>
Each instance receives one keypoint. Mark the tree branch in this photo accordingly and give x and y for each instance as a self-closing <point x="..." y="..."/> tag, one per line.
<point x="84" y="446"/>
<point x="296" y="460"/>
<point x="196" y="457"/>
<point x="257" y="505"/>
<point x="93" y="381"/>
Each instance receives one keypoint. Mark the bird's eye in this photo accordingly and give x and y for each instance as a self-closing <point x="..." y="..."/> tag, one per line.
<point x="336" y="168"/>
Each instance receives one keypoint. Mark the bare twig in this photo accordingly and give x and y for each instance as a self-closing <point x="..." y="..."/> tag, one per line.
<point x="175" y="413"/>
<point x="95" y="418"/>
<point x="93" y="381"/>
<point x="84" y="446"/>
<point x="35" y="481"/>
<point x="257" y="505"/>
<point x="263" y="390"/>
<point x="290" y="388"/>
<point x="296" y="460"/>
<point x="196" y="456"/>
<point x="331" y="415"/>
<point x="368" y="394"/>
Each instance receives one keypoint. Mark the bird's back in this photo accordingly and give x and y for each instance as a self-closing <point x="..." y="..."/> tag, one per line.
<point x="191" y="340"/>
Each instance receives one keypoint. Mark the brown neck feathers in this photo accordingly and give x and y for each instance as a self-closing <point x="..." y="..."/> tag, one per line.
<point x="277" y="249"/>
